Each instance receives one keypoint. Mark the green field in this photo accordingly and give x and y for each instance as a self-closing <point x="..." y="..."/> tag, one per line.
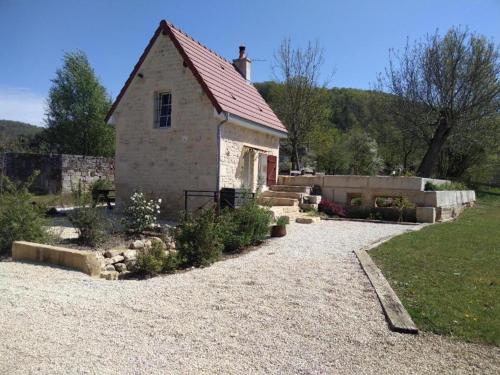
<point x="448" y="275"/>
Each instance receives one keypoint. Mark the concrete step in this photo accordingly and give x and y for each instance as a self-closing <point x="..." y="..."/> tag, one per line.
<point x="291" y="188"/>
<point x="283" y="194"/>
<point x="273" y="201"/>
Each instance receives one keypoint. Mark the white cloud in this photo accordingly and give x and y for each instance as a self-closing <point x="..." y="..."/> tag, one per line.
<point x="21" y="104"/>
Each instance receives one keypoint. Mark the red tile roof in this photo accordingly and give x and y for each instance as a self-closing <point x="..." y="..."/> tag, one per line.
<point x="223" y="84"/>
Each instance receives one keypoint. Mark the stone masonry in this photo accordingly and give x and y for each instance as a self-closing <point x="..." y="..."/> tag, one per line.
<point x="164" y="162"/>
<point x="57" y="172"/>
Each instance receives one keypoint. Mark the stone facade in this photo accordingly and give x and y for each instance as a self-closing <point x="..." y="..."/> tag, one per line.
<point x="238" y="143"/>
<point x="164" y="162"/>
<point x="57" y="172"/>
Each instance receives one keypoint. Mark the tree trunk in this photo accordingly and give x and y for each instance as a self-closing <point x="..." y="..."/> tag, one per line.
<point x="295" y="158"/>
<point x="429" y="162"/>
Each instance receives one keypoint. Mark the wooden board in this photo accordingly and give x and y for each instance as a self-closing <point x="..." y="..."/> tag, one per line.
<point x="398" y="318"/>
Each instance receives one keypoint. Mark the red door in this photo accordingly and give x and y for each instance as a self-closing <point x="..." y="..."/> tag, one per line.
<point x="271" y="170"/>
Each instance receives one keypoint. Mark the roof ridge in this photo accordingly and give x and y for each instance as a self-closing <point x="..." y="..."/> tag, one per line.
<point x="170" y="24"/>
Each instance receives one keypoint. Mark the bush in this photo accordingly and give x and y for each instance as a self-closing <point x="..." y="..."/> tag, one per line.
<point x="331" y="208"/>
<point x="154" y="260"/>
<point x="200" y="241"/>
<point x="454" y="185"/>
<point x="100" y="184"/>
<point x="141" y="213"/>
<point x="20" y="219"/>
<point x="86" y="218"/>
<point x="244" y="226"/>
<point x="283" y="220"/>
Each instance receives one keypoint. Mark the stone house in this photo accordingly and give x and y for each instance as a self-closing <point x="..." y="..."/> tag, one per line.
<point x="188" y="119"/>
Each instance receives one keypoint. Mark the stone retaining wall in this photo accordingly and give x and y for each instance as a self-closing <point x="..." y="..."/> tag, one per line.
<point x="441" y="205"/>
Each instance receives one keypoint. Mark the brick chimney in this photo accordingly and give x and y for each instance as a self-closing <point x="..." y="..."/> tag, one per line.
<point x="243" y="64"/>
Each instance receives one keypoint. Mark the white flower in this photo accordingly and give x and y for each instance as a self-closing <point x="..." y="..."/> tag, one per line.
<point x="159" y="200"/>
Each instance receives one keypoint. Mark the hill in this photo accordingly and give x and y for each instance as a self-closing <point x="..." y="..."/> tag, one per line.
<point x="13" y="129"/>
<point x="16" y="135"/>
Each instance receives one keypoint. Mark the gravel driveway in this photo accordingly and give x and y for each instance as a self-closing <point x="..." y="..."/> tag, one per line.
<point x="297" y="305"/>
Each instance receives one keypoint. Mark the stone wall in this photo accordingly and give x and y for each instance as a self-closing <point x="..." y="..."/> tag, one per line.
<point x="85" y="168"/>
<point x="235" y="142"/>
<point x="57" y="172"/>
<point x="431" y="205"/>
<point x="163" y="162"/>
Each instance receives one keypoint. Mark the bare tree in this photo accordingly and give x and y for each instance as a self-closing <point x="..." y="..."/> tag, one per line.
<point x="441" y="83"/>
<point x="301" y="102"/>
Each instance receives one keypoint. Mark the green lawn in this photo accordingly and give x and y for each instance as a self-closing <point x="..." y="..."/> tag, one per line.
<point x="448" y="275"/>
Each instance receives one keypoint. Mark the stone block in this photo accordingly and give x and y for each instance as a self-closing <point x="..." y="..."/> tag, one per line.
<point x="426" y="214"/>
<point x="308" y="219"/>
<point x="85" y="261"/>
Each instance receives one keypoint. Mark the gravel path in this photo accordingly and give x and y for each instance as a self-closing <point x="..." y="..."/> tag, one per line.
<point x="298" y="305"/>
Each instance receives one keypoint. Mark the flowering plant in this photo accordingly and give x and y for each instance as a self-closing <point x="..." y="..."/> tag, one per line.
<point x="141" y="214"/>
<point x="331" y="208"/>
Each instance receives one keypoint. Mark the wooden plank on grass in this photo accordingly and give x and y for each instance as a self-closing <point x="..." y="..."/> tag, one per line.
<point x="397" y="316"/>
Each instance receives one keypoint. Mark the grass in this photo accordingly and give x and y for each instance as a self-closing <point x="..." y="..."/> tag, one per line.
<point x="448" y="275"/>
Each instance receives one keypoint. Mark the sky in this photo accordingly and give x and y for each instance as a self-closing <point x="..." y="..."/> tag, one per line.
<point x="356" y="36"/>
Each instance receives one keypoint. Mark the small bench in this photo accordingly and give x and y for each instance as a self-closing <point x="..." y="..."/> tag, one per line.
<point x="104" y="195"/>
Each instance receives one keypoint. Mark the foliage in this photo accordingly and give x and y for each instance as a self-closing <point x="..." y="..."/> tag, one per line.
<point x="20" y="219"/>
<point x="440" y="86"/>
<point x="364" y="158"/>
<point x="77" y="106"/>
<point x="331" y="208"/>
<point x="446" y="275"/>
<point x="141" y="213"/>
<point x="16" y="136"/>
<point x="153" y="261"/>
<point x="199" y="238"/>
<point x="86" y="218"/>
<point x="283" y="220"/>
<point x="244" y="226"/>
<point x="453" y="185"/>
<point x="100" y="184"/>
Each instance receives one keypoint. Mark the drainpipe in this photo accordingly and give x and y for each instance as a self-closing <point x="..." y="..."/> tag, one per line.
<point x="219" y="136"/>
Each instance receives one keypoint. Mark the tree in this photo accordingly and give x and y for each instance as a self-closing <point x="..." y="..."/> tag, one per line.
<point x="441" y="84"/>
<point x="364" y="158"/>
<point x="77" y="106"/>
<point x="300" y="102"/>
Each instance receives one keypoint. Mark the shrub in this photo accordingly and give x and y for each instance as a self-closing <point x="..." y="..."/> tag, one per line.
<point x="141" y="213"/>
<point x="454" y="185"/>
<point x="200" y="242"/>
<point x="154" y="260"/>
<point x="20" y="219"/>
<point x="86" y="218"/>
<point x="244" y="226"/>
<point x="331" y="208"/>
<point x="283" y="220"/>
<point x="100" y="184"/>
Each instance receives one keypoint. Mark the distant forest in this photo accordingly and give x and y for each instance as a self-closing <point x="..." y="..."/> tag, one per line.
<point x="17" y="136"/>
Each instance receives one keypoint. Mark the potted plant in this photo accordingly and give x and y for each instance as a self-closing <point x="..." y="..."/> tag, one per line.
<point x="279" y="229"/>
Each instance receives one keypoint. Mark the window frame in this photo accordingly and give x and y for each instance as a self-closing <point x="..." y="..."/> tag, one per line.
<point x="158" y="110"/>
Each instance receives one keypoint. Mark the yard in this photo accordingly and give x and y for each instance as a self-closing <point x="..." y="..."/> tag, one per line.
<point x="297" y="304"/>
<point x="448" y="276"/>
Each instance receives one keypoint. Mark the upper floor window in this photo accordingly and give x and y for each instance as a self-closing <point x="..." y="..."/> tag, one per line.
<point x="164" y="110"/>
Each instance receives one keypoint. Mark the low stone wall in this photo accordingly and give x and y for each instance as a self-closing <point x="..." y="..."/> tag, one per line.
<point x="440" y="205"/>
<point x="57" y="172"/>
<point x="84" y="261"/>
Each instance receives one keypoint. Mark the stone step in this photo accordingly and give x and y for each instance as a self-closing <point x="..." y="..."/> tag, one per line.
<point x="291" y="188"/>
<point x="446" y="213"/>
<point x="273" y="201"/>
<point x="307" y="219"/>
<point x="291" y="211"/>
<point x="283" y="194"/>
